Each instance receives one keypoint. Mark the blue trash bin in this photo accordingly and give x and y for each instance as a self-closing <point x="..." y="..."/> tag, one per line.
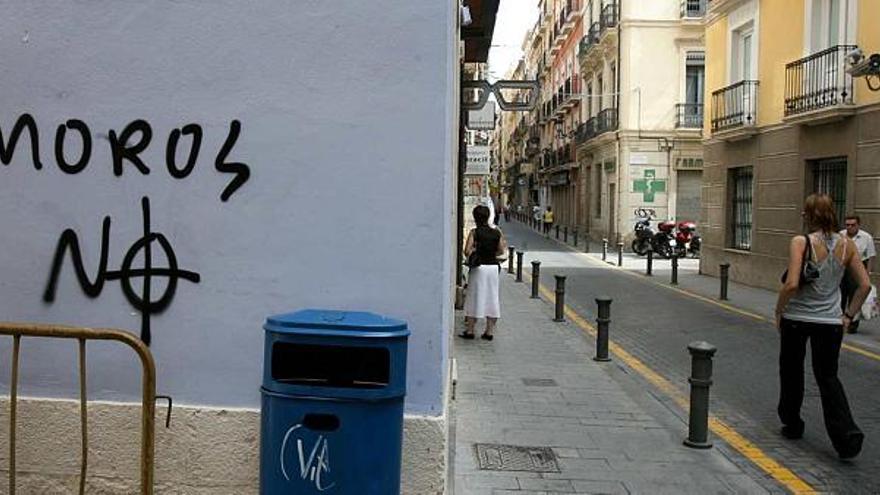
<point x="332" y="407"/>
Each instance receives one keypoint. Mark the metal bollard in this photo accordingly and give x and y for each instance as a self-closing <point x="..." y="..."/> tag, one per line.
<point x="650" y="270"/>
<point x="575" y="237"/>
<point x="519" y="255"/>
<point x="560" y="298"/>
<point x="700" y="380"/>
<point x="557" y="232"/>
<point x="604" y="249"/>
<point x="565" y="234"/>
<point x="674" y="269"/>
<point x="602" y="323"/>
<point x="536" y="275"/>
<point x="619" y="254"/>
<point x="725" y="273"/>
<point x="510" y="250"/>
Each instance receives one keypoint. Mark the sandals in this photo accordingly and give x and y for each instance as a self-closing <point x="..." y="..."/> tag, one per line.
<point x="487" y="337"/>
<point x="466" y="335"/>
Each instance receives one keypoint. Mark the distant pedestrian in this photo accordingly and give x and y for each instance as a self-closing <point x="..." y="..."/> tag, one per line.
<point x="808" y="308"/>
<point x="506" y="213"/>
<point x="865" y="249"/>
<point x="483" y="247"/>
<point x="548" y="221"/>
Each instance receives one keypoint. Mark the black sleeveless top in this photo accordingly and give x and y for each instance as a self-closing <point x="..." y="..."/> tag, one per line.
<point x="486" y="240"/>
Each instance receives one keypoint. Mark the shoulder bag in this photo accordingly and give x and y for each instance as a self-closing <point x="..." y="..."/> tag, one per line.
<point x="809" y="269"/>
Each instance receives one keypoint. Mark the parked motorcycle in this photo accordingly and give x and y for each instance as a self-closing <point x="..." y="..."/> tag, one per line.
<point x="664" y="241"/>
<point x="644" y="236"/>
<point x="687" y="241"/>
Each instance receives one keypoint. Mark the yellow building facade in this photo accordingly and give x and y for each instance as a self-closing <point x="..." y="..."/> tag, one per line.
<point x="784" y="119"/>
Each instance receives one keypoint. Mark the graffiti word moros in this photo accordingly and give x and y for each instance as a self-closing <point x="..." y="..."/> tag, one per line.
<point x="126" y="147"/>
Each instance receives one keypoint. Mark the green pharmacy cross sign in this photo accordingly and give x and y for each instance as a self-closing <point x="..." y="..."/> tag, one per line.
<point x="649" y="185"/>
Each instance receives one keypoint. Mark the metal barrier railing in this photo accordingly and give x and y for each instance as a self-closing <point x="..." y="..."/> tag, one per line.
<point x="148" y="405"/>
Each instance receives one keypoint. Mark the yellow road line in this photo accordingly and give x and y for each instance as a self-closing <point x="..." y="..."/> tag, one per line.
<point x="733" y="309"/>
<point x="748" y="449"/>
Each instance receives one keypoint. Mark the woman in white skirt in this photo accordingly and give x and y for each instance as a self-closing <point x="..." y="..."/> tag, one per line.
<point x="483" y="246"/>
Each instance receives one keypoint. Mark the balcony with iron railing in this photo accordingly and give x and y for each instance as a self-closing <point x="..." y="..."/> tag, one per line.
<point x="586" y="131"/>
<point x="570" y="12"/>
<point x="609" y="16"/>
<point x="693" y="9"/>
<point x="590" y="39"/>
<point x="571" y="93"/>
<point x="818" y="86"/>
<point x="735" y="107"/>
<point x="606" y="121"/>
<point x="689" y="116"/>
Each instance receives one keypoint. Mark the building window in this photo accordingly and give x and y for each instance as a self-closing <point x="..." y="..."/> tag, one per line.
<point x="743" y="52"/>
<point x="829" y="177"/>
<point x="613" y="85"/>
<point x="695" y="78"/>
<point x="600" y="90"/>
<point x="741" y="179"/>
<point x="589" y="106"/>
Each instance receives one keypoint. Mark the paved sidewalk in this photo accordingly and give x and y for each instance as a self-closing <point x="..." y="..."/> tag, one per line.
<point x="536" y="385"/>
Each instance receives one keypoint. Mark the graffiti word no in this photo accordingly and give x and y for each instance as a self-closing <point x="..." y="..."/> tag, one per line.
<point x="143" y="302"/>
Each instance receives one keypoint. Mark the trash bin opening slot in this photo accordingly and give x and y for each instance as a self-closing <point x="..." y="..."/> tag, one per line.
<point x="330" y="366"/>
<point x="321" y="422"/>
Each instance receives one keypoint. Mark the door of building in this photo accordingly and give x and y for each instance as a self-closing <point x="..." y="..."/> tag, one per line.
<point x="687" y="202"/>
<point x="612" y="210"/>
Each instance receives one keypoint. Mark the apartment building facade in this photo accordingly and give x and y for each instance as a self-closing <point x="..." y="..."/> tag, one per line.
<point x="638" y="144"/>
<point x="784" y="120"/>
<point x="597" y="153"/>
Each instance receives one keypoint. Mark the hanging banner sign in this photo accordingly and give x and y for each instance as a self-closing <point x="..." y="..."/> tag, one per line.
<point x="482" y="119"/>
<point x="477" y="160"/>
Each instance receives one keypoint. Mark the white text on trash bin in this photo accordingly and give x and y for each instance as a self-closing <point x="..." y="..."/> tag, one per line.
<point x="317" y="464"/>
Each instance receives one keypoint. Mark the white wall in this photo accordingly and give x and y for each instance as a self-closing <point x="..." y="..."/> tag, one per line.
<point x="347" y="131"/>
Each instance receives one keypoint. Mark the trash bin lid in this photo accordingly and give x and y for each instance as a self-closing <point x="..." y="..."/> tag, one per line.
<point x="334" y="322"/>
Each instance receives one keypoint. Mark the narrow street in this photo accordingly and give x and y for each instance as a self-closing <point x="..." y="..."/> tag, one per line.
<point x="655" y="325"/>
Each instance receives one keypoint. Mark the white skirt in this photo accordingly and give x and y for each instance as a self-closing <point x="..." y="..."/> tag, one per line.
<point x="483" y="298"/>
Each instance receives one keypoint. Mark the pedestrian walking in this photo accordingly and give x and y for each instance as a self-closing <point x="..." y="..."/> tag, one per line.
<point x="506" y="210"/>
<point x="548" y="221"/>
<point x="865" y="249"/>
<point x="483" y="248"/>
<point x="537" y="215"/>
<point x="808" y="308"/>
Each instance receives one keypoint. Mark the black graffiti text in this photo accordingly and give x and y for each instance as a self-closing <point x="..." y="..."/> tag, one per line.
<point x="126" y="147"/>
<point x="143" y="302"/>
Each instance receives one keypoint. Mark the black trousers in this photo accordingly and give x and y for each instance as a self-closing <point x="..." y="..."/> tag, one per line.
<point x="825" y="343"/>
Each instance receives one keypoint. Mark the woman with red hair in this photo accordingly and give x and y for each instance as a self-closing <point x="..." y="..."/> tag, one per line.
<point x="809" y="308"/>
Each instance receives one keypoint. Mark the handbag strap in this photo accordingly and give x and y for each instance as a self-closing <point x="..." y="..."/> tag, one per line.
<point x="808" y="251"/>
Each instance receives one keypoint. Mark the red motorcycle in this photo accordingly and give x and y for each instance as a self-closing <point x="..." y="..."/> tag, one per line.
<point x="687" y="241"/>
<point x="663" y="244"/>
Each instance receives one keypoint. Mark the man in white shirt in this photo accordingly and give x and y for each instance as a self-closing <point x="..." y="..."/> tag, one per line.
<point x="865" y="246"/>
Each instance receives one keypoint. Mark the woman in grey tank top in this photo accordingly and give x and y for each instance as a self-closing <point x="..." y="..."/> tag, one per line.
<point x="810" y="310"/>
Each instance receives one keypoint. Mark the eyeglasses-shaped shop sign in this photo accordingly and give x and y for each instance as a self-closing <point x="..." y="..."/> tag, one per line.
<point x="486" y="87"/>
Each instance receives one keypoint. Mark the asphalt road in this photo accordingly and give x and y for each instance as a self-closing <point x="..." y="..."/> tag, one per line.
<point x="656" y="325"/>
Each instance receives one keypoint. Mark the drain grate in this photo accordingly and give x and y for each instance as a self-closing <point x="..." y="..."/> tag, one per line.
<point x="539" y="382"/>
<point x="495" y="457"/>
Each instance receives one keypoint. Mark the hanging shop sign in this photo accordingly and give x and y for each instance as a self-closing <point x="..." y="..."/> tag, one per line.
<point x="477" y="160"/>
<point x="482" y="119"/>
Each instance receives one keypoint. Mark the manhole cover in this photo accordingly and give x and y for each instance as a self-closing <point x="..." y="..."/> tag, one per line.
<point x="494" y="457"/>
<point x="539" y="382"/>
